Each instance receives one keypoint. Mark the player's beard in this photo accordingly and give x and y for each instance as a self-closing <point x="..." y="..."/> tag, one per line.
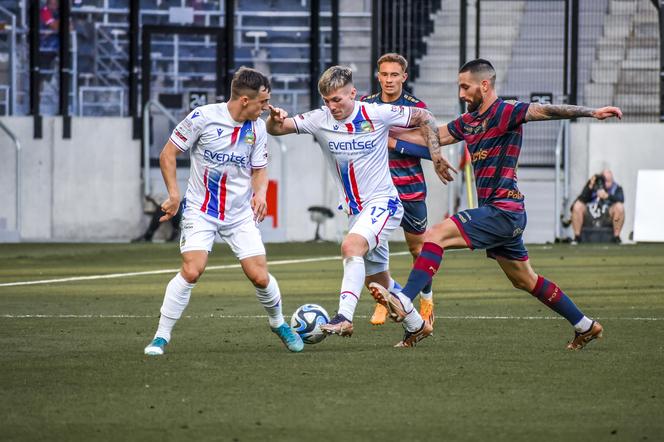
<point x="473" y="105"/>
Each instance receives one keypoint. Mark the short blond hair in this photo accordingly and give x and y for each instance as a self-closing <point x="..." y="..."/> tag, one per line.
<point x="334" y="78"/>
<point x="393" y="57"/>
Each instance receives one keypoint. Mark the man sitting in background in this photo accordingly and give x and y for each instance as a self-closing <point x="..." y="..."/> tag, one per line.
<point x="600" y="195"/>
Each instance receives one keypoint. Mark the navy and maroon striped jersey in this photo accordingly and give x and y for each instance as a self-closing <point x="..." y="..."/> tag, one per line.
<point x="406" y="170"/>
<point x="486" y="136"/>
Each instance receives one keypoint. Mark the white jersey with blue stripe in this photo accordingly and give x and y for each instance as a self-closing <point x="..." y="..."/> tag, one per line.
<point x="356" y="149"/>
<point x="223" y="153"/>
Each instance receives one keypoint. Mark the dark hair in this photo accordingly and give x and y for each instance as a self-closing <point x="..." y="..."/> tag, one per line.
<point x="480" y="66"/>
<point x="249" y="82"/>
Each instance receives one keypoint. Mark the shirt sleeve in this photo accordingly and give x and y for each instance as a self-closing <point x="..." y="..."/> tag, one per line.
<point x="186" y="133"/>
<point x="309" y="122"/>
<point x="518" y="114"/>
<point x="392" y="115"/>
<point x="259" y="152"/>
<point x="455" y="128"/>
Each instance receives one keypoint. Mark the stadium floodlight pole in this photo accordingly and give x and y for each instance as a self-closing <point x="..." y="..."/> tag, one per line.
<point x="478" y="11"/>
<point x="314" y="53"/>
<point x="574" y="52"/>
<point x="375" y="40"/>
<point x="661" y="61"/>
<point x="335" y="32"/>
<point x="133" y="68"/>
<point x="463" y="31"/>
<point x="65" y="70"/>
<point x="35" y="71"/>
<point x="229" y="47"/>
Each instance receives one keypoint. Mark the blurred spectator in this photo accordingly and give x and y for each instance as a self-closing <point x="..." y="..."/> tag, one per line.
<point x="155" y="223"/>
<point x="49" y="37"/>
<point x="601" y="201"/>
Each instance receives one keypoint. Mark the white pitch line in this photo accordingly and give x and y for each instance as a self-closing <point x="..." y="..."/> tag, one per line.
<point x="158" y="272"/>
<point x="215" y="316"/>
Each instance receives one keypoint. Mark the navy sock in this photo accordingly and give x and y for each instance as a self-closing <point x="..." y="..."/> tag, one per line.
<point x="426" y="265"/>
<point x="553" y="297"/>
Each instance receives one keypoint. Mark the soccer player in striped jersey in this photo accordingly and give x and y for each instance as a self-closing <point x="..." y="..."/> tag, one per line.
<point x="407" y="173"/>
<point x="492" y="129"/>
<point x="226" y="195"/>
<point x="353" y="139"/>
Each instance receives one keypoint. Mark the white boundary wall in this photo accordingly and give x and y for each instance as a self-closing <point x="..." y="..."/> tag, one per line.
<point x="625" y="148"/>
<point x="89" y="188"/>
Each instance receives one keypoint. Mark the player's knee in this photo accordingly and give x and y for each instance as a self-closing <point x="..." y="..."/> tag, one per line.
<point x="578" y="208"/>
<point x="415" y="249"/>
<point x="618" y="210"/>
<point x="260" y="279"/>
<point x="191" y="273"/>
<point x="352" y="248"/>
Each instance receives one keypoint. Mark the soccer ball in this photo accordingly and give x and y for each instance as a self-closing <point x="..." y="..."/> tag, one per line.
<point x="306" y="321"/>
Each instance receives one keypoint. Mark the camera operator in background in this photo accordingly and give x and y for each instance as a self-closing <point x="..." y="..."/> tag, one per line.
<point x="600" y="195"/>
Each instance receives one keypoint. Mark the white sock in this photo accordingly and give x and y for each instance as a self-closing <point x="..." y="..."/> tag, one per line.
<point x="413" y="320"/>
<point x="351" y="285"/>
<point x="176" y="299"/>
<point x="583" y="325"/>
<point x="270" y="299"/>
<point x="427" y="296"/>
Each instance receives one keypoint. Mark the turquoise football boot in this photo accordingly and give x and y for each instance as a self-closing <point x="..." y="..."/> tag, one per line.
<point x="289" y="337"/>
<point x="156" y="347"/>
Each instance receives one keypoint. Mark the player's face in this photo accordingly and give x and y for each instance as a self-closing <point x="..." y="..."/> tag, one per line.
<point x="341" y="102"/>
<point x="391" y="77"/>
<point x="470" y="91"/>
<point x="254" y="107"/>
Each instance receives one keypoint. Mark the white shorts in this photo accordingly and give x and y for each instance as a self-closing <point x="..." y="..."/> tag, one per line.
<point x="375" y="223"/>
<point x="199" y="231"/>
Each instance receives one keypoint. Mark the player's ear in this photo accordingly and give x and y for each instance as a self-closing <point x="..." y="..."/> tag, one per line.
<point x="405" y="76"/>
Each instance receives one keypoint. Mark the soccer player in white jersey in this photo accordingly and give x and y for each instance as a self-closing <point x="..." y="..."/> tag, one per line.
<point x="353" y="138"/>
<point x="226" y="194"/>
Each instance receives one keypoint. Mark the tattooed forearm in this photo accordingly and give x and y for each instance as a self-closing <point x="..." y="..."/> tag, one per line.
<point x="429" y="127"/>
<point x="538" y="112"/>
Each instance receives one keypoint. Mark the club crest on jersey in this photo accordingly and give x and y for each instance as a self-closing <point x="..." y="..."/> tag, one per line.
<point x="365" y="126"/>
<point x="250" y="137"/>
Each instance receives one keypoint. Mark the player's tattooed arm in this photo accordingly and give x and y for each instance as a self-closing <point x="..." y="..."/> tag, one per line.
<point x="426" y="121"/>
<point x="278" y="122"/>
<point x="540" y="112"/>
<point x="167" y="163"/>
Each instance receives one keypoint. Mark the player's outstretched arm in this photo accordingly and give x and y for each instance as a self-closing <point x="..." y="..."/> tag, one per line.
<point x="542" y="112"/>
<point x="259" y="183"/>
<point x="167" y="163"/>
<point x="278" y="122"/>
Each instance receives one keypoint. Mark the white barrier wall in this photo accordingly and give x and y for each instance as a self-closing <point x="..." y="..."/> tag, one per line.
<point x="85" y="188"/>
<point x="89" y="188"/>
<point x="625" y="148"/>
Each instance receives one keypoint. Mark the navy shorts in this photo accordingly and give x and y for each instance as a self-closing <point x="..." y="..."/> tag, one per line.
<point x="414" y="217"/>
<point x="498" y="231"/>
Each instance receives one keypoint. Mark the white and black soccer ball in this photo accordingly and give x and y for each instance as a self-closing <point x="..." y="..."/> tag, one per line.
<point x="306" y="321"/>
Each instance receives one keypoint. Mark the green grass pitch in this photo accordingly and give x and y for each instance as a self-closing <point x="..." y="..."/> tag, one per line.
<point x="72" y="364"/>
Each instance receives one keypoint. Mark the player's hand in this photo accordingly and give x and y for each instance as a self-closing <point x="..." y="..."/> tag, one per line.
<point x="259" y="206"/>
<point x="170" y="207"/>
<point x="602" y="194"/>
<point x="278" y="114"/>
<point x="444" y="168"/>
<point x="607" y="112"/>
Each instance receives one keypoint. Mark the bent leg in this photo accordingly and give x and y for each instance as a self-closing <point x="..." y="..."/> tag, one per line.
<point x="617" y="213"/>
<point x="578" y="212"/>
<point x="523" y="277"/>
